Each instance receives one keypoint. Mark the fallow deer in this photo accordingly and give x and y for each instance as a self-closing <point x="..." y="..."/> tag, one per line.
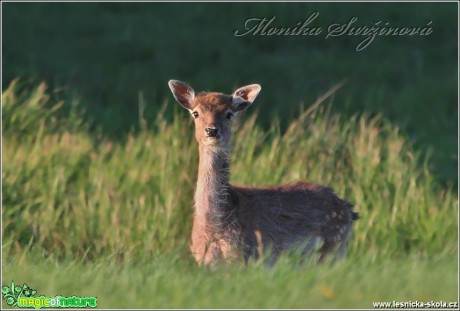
<point x="235" y="220"/>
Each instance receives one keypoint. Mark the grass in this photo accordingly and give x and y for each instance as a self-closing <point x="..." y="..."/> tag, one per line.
<point x="99" y="163"/>
<point x="108" y="55"/>
<point x="112" y="219"/>
<point x="165" y="283"/>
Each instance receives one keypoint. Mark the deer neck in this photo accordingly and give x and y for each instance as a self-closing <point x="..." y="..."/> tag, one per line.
<point x="211" y="195"/>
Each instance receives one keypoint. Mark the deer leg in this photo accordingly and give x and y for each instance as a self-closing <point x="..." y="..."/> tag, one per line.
<point x="211" y="257"/>
<point x="342" y="250"/>
<point x="274" y="254"/>
<point x="250" y="250"/>
<point x="309" y="246"/>
<point x="198" y="251"/>
<point x="325" y="249"/>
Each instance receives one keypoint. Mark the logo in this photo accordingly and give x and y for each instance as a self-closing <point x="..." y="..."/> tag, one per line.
<point x="25" y="297"/>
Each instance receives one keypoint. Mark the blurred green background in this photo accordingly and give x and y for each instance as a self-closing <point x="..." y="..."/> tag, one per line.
<point x="109" y="56"/>
<point x="99" y="162"/>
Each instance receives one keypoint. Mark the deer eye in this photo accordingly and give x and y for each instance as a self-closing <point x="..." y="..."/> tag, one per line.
<point x="229" y="115"/>
<point x="195" y="114"/>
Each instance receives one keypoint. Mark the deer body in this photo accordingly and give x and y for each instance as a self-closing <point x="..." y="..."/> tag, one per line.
<point x="230" y="220"/>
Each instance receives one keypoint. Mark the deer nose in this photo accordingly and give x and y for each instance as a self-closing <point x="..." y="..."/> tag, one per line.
<point x="211" y="131"/>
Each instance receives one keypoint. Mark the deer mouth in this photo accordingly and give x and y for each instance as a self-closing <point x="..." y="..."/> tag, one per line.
<point x="211" y="141"/>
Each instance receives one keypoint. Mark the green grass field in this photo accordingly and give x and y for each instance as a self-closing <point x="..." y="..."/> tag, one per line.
<point x="99" y="162"/>
<point x="123" y="212"/>
<point x="177" y="283"/>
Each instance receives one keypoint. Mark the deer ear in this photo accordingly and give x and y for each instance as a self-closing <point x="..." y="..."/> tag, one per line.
<point x="183" y="93"/>
<point x="244" y="96"/>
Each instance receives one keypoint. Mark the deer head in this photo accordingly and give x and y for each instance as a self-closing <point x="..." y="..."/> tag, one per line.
<point x="212" y="111"/>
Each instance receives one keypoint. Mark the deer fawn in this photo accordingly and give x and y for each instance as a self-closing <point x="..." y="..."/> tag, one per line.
<point x="230" y="220"/>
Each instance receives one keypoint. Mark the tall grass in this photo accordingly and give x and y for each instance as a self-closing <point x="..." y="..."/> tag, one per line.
<point x="71" y="193"/>
<point x="401" y="77"/>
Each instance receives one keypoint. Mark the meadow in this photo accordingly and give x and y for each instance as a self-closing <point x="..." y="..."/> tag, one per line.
<point x="99" y="162"/>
